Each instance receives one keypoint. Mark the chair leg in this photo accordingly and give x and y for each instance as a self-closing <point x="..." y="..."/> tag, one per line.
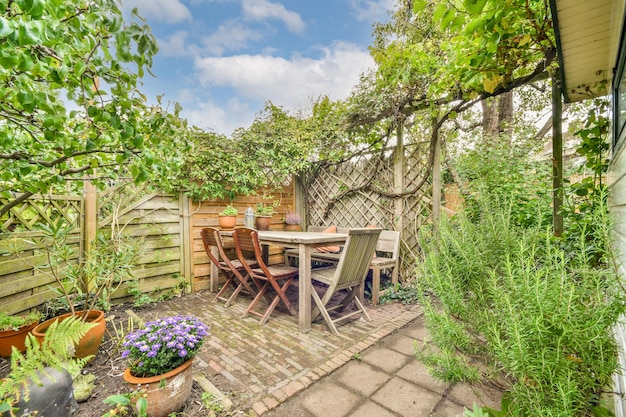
<point x="360" y="306"/>
<point x="394" y="273"/>
<point x="280" y="292"/>
<point x="375" y="284"/>
<point x="262" y="293"/>
<point x="323" y="312"/>
<point x="280" y="295"/>
<point x="228" y="283"/>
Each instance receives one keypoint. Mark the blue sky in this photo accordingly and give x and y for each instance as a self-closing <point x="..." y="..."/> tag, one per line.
<point x="223" y="59"/>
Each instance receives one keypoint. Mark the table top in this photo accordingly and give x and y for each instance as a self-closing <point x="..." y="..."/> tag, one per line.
<point x="280" y="236"/>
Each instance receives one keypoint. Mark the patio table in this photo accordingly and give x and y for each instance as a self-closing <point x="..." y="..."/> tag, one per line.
<point x="305" y="242"/>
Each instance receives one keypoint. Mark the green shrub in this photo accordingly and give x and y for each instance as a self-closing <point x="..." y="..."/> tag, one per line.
<point x="506" y="303"/>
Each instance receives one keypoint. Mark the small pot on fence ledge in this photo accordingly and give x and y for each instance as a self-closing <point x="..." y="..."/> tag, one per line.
<point x="292" y="222"/>
<point x="227" y="222"/>
<point x="262" y="222"/>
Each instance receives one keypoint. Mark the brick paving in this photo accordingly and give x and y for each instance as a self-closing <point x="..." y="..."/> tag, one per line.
<point x="275" y="363"/>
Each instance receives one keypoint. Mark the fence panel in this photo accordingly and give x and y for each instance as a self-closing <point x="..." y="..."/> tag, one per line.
<point x="206" y="214"/>
<point x="24" y="282"/>
<point x="359" y="192"/>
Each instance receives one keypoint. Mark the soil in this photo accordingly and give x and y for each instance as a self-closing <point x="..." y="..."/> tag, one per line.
<point x="108" y="367"/>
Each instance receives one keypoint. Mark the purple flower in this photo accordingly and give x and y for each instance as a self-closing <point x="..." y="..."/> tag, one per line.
<point x="163" y="344"/>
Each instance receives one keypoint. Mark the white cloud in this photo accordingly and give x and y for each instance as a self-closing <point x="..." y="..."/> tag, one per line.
<point x="372" y="10"/>
<point x="230" y="36"/>
<point x="287" y="82"/>
<point x="166" y="11"/>
<point x="224" y="120"/>
<point x="176" y="45"/>
<point x="264" y="9"/>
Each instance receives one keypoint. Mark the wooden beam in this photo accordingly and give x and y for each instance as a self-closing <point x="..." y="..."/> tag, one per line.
<point x="557" y="156"/>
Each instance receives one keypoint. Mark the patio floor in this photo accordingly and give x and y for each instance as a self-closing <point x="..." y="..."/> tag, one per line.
<point x="267" y="365"/>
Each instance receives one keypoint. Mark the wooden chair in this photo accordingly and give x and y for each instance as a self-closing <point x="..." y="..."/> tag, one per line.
<point x="387" y="257"/>
<point x="247" y="239"/>
<point x="349" y="275"/>
<point x="234" y="271"/>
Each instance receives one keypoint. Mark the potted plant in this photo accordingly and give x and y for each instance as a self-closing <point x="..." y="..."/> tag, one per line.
<point x="228" y="217"/>
<point x="263" y="216"/>
<point x="14" y="329"/>
<point x="292" y="221"/>
<point x="84" y="286"/>
<point x="40" y="382"/>
<point x="159" y="361"/>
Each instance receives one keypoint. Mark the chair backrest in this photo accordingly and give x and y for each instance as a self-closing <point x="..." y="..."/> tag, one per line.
<point x="210" y="236"/>
<point x="389" y="243"/>
<point x="247" y="240"/>
<point x="356" y="257"/>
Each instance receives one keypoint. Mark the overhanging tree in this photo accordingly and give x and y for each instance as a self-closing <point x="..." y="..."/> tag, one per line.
<point x="70" y="103"/>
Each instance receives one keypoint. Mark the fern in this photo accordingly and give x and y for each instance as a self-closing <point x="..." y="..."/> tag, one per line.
<point x="55" y="351"/>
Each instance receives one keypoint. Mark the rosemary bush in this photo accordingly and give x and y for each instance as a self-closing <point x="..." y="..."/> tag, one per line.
<point x="507" y="304"/>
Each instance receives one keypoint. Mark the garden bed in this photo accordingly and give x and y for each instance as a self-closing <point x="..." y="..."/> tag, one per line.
<point x="108" y="367"/>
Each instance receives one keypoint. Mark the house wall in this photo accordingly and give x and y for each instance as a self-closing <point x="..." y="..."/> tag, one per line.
<point x="617" y="207"/>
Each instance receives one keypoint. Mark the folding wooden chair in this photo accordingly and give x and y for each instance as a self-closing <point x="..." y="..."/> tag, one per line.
<point x="234" y="271"/>
<point x="349" y="274"/>
<point x="247" y="239"/>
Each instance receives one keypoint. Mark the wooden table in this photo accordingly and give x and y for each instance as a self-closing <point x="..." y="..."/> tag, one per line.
<point x="305" y="242"/>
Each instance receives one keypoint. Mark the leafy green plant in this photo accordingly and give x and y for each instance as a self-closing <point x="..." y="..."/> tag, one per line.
<point x="403" y="294"/>
<point x="88" y="283"/>
<point x="229" y="211"/>
<point x="56" y="350"/>
<point x="211" y="402"/>
<point x="506" y="303"/>
<point x="264" y="209"/>
<point x="8" y="322"/>
<point x="128" y="403"/>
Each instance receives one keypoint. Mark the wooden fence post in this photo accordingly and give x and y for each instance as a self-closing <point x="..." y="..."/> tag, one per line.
<point x="186" y="240"/>
<point x="398" y="178"/>
<point x="90" y="224"/>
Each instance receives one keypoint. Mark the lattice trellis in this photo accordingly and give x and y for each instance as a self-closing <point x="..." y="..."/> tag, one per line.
<point x="42" y="209"/>
<point x="326" y="204"/>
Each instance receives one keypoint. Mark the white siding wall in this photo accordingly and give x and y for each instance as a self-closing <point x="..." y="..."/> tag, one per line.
<point x="617" y="206"/>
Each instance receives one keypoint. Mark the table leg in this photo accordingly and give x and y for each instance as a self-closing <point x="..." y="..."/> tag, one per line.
<point x="214" y="277"/>
<point x="304" y="296"/>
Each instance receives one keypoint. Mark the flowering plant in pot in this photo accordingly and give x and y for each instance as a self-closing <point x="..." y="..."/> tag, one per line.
<point x="292" y="220"/>
<point x="159" y="361"/>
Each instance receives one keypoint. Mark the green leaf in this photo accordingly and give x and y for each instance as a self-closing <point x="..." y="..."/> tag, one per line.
<point x="117" y="399"/>
<point x="439" y="12"/>
<point x="474" y="6"/>
<point x="5" y="27"/>
<point x="36" y="11"/>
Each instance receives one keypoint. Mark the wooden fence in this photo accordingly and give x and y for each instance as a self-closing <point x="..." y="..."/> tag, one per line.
<point x="168" y="226"/>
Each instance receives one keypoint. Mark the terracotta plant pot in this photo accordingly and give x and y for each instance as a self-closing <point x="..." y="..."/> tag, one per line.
<point x="166" y="393"/>
<point x="293" y="227"/>
<point x="227" y="222"/>
<point x="262" y="222"/>
<point x="17" y="338"/>
<point x="90" y="343"/>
